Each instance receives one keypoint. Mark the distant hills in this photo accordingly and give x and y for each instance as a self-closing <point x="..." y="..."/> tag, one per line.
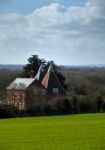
<point x="77" y="67"/>
<point x="11" y="67"/>
<point x="85" y="67"/>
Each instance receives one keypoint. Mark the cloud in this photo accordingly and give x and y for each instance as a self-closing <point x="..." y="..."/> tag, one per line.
<point x="67" y="31"/>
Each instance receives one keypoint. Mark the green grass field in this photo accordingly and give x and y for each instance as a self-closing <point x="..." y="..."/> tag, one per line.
<point x="72" y="132"/>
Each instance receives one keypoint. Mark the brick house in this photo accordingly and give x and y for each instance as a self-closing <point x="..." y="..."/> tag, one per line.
<point x="25" y="93"/>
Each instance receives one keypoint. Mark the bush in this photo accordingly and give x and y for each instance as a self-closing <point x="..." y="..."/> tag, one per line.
<point x="100" y="102"/>
<point x="84" y="105"/>
<point x="76" y="106"/>
<point x="8" y="111"/>
<point x="48" y="110"/>
<point x="64" y="107"/>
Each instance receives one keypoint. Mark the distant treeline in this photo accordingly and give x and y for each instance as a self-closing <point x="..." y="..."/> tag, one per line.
<point x="11" y="67"/>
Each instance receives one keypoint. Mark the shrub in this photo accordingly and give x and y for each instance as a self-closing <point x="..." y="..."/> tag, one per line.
<point x="64" y="107"/>
<point x="8" y="111"/>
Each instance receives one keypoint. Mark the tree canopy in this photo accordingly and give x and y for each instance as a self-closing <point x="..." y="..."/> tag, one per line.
<point x="30" y="69"/>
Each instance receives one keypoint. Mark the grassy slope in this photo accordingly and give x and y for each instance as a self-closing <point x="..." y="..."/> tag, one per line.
<point x="76" y="132"/>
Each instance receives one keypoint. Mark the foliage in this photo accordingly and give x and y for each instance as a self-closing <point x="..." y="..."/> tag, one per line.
<point x="7" y="76"/>
<point x="100" y="102"/>
<point x="64" y="107"/>
<point x="8" y="111"/>
<point x="30" y="69"/>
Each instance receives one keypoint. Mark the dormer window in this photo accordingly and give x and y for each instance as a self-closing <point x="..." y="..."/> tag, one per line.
<point x="55" y="90"/>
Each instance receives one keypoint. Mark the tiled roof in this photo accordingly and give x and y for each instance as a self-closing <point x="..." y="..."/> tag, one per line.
<point x="20" y="83"/>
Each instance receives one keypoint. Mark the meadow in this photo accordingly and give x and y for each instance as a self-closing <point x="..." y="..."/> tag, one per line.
<point x="70" y="132"/>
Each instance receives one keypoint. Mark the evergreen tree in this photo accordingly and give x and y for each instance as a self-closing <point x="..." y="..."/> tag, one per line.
<point x="30" y="69"/>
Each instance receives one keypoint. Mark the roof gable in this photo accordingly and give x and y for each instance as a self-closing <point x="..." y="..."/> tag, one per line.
<point x="54" y="83"/>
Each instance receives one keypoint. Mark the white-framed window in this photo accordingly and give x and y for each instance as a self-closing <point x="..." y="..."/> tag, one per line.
<point x="55" y="90"/>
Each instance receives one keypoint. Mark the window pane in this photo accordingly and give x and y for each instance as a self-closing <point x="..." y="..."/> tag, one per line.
<point x="55" y="90"/>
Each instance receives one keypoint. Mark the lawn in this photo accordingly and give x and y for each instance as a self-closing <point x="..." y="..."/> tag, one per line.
<point x="72" y="132"/>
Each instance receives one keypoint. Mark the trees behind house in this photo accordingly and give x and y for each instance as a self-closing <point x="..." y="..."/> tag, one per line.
<point x="30" y="69"/>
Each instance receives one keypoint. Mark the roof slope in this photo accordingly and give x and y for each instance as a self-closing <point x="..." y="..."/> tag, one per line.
<point x="51" y="82"/>
<point x="40" y="73"/>
<point x="20" y="83"/>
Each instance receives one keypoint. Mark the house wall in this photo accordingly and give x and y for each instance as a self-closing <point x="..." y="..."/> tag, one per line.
<point x="32" y="97"/>
<point x="35" y="97"/>
<point x="16" y="98"/>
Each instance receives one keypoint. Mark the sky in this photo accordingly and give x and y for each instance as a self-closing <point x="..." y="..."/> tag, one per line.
<point x="69" y="32"/>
